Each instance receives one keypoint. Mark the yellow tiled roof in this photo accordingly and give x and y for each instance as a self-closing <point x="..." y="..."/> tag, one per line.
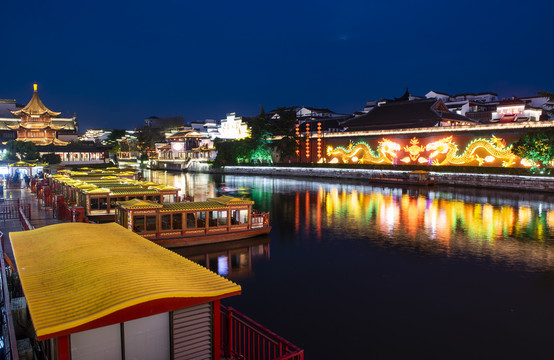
<point x="75" y="273"/>
<point x="196" y="205"/>
<point x="97" y="191"/>
<point x="229" y="200"/>
<point x="135" y="192"/>
<point x="139" y="204"/>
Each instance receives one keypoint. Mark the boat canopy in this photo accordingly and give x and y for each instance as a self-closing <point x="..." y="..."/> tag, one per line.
<point x="76" y="276"/>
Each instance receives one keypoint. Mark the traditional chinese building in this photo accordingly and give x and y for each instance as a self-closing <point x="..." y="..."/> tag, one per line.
<point x="37" y="123"/>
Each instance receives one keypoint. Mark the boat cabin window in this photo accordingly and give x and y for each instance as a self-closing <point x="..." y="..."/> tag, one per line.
<point x="151" y="223"/>
<point x="177" y="221"/>
<point x="218" y="218"/>
<point x="143" y="223"/>
<point x="166" y="222"/>
<point x="138" y="224"/>
<point x="222" y="219"/>
<point x="212" y="218"/>
<point x="98" y="203"/>
<point x="201" y="219"/>
<point x="191" y="220"/>
<point x="239" y="217"/>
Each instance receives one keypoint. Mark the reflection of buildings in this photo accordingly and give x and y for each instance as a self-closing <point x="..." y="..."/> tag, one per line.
<point x="232" y="259"/>
<point x="497" y="226"/>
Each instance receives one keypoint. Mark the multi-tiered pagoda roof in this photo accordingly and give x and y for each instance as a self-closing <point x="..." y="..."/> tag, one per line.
<point x="36" y="123"/>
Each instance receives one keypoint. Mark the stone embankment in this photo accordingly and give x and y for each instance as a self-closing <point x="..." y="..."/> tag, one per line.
<point x="511" y="182"/>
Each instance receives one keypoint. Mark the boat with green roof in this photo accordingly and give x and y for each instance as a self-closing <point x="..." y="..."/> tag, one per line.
<point x="219" y="219"/>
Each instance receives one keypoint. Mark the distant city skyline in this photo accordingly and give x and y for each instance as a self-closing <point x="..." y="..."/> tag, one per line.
<point x="115" y="65"/>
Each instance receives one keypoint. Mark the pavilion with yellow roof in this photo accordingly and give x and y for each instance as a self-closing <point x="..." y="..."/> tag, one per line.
<point x="103" y="292"/>
<point x="36" y="123"/>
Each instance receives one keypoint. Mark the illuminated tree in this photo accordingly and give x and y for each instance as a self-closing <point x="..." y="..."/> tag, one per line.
<point x="537" y="146"/>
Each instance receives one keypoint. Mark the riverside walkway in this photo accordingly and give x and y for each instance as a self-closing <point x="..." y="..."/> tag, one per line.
<point x="39" y="215"/>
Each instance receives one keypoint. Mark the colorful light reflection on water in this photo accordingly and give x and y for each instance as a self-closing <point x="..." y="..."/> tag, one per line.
<point x="359" y="271"/>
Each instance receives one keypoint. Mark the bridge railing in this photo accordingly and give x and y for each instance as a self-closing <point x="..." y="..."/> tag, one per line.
<point x="243" y="338"/>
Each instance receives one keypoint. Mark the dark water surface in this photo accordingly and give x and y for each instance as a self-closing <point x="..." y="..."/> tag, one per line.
<point x="352" y="271"/>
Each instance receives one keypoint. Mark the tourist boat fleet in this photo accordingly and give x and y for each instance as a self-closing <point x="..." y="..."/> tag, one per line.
<point x="111" y="293"/>
<point x="154" y="211"/>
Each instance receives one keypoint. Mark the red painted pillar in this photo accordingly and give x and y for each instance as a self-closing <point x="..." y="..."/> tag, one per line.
<point x="63" y="347"/>
<point x="217" y="330"/>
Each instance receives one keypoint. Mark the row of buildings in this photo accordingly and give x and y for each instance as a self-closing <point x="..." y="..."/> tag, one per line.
<point x="398" y="122"/>
<point x="178" y="145"/>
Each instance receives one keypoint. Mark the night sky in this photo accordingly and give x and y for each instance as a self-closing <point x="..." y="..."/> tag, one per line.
<point x="115" y="64"/>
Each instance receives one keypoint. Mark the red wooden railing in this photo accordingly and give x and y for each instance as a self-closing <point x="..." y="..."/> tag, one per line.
<point x="25" y="220"/>
<point x="10" y="345"/>
<point x="256" y="214"/>
<point x="243" y="338"/>
<point x="10" y="208"/>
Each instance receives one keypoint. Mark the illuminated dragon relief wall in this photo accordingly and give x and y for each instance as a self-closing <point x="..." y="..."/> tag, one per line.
<point x="448" y="150"/>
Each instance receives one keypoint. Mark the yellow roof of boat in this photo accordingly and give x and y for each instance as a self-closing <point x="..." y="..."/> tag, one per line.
<point x="140" y="204"/>
<point x="195" y="205"/>
<point x="229" y="200"/>
<point x="75" y="273"/>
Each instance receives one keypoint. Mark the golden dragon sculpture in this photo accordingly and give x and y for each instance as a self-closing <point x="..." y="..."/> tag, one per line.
<point x="362" y="153"/>
<point x="494" y="147"/>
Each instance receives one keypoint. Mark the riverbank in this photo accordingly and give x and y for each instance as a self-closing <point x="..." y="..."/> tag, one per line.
<point x="494" y="181"/>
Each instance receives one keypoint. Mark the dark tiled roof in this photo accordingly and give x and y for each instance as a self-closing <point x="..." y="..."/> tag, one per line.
<point x="448" y="115"/>
<point x="320" y="110"/>
<point x="402" y="115"/>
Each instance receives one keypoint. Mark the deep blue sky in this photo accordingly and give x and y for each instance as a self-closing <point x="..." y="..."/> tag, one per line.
<point x="116" y="63"/>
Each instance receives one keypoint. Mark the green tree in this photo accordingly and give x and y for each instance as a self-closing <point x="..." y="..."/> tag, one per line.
<point x="147" y="138"/>
<point x="537" y="146"/>
<point x="51" y="158"/>
<point x="113" y="141"/>
<point x="257" y="146"/>
<point x="229" y="152"/>
<point x="285" y="127"/>
<point x="22" y="150"/>
<point x="550" y="96"/>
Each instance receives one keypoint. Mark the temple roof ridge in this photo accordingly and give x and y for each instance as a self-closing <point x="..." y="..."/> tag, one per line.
<point x="35" y="107"/>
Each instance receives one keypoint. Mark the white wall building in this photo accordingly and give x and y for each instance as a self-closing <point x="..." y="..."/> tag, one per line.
<point x="233" y="128"/>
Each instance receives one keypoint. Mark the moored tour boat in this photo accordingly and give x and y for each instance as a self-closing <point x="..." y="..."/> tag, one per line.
<point x="218" y="219"/>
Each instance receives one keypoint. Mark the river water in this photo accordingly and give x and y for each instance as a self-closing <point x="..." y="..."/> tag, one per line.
<point x="353" y="271"/>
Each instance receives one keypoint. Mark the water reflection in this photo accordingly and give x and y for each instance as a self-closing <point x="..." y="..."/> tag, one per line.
<point x="397" y="272"/>
<point x="500" y="226"/>
<point x="231" y="259"/>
